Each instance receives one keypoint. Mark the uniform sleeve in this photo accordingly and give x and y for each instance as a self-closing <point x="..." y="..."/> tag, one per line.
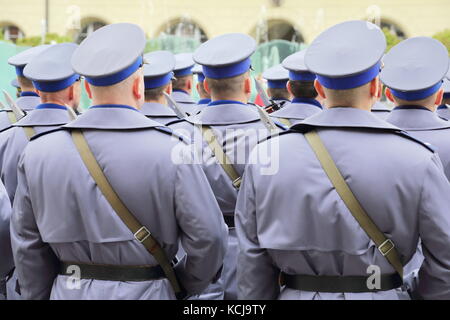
<point x="257" y="277"/>
<point x="6" y="260"/>
<point x="434" y="229"/>
<point x="35" y="261"/>
<point x="203" y="232"/>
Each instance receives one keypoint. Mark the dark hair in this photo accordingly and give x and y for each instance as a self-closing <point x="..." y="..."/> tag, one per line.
<point x="278" y="93"/>
<point x="155" y="93"/>
<point x="303" y="89"/>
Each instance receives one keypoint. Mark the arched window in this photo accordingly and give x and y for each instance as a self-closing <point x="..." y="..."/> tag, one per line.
<point x="268" y="30"/>
<point x="186" y="28"/>
<point x="88" y="27"/>
<point x="12" y="33"/>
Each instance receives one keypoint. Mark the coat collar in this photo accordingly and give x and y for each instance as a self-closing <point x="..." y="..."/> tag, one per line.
<point x="225" y="113"/>
<point x="153" y="109"/>
<point x="297" y="110"/>
<point x="112" y="117"/>
<point x="45" y="114"/>
<point x="182" y="97"/>
<point x="28" y="102"/>
<point x="345" y="117"/>
<point x="412" y="118"/>
<point x="380" y="107"/>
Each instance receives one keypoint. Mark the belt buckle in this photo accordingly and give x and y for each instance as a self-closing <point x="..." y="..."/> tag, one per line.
<point x="386" y="242"/>
<point x="237" y="183"/>
<point x="142" y="238"/>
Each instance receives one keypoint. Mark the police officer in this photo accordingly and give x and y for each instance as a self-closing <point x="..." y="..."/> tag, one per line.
<point x="340" y="237"/>
<point x="6" y="263"/>
<point x="301" y="86"/>
<point x="59" y="89"/>
<point x="28" y="99"/>
<point x="277" y="78"/>
<point x="158" y="73"/>
<point x="184" y="82"/>
<point x="228" y="127"/>
<point x="205" y="97"/>
<point x="444" y="109"/>
<point x="110" y="195"/>
<point x="413" y="73"/>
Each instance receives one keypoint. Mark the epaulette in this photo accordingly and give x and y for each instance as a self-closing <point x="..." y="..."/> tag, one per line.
<point x="171" y="132"/>
<point x="410" y="137"/>
<point x="175" y="122"/>
<point x="286" y="131"/>
<point x="38" y="135"/>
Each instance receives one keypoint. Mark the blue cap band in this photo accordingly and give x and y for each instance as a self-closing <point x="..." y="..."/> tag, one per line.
<point x="54" y="86"/>
<point x="416" y="95"/>
<point x="117" y="77"/>
<point x="350" y="82"/>
<point x="183" y="72"/>
<point x="301" y="76"/>
<point x="227" y="71"/>
<point x="156" y="82"/>
<point x="19" y="71"/>
<point x="277" y="84"/>
<point x="200" y="77"/>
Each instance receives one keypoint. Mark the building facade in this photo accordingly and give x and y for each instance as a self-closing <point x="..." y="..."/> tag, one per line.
<point x="293" y="20"/>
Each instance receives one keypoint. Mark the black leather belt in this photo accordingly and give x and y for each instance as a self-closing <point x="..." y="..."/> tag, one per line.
<point x="112" y="272"/>
<point x="229" y="220"/>
<point x="338" y="284"/>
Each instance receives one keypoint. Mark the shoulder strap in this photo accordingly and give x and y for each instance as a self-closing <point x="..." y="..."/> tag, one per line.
<point x="11" y="116"/>
<point x="285" y="121"/>
<point x="29" y="132"/>
<point x="385" y="245"/>
<point x="220" y="155"/>
<point x="141" y="233"/>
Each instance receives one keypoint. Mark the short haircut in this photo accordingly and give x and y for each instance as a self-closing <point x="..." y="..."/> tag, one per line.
<point x="278" y="93"/>
<point x="180" y="83"/>
<point x="227" y="86"/>
<point x="303" y="89"/>
<point x="201" y="90"/>
<point x="155" y="93"/>
<point x="25" y="82"/>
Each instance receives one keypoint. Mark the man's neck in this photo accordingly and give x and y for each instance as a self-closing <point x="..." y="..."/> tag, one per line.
<point x="161" y="100"/>
<point x="239" y="99"/>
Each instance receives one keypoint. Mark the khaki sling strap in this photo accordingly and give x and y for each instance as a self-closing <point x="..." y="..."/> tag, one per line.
<point x="385" y="245"/>
<point x="141" y="233"/>
<point x="223" y="159"/>
<point x="29" y="131"/>
<point x="285" y="121"/>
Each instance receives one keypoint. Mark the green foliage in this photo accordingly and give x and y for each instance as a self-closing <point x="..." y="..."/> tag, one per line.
<point x="391" y="39"/>
<point x="444" y="37"/>
<point x="50" y="38"/>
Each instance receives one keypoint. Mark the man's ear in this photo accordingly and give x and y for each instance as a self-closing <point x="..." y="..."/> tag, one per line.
<point x="375" y="88"/>
<point x="389" y="95"/>
<point x="288" y="87"/>
<point x="37" y="92"/>
<point x="189" y="84"/>
<point x="206" y="86"/>
<point x="71" y="92"/>
<point x="88" y="89"/>
<point x="137" y="88"/>
<point x="169" y="89"/>
<point x="439" y="97"/>
<point x="319" y="89"/>
<point x="248" y="85"/>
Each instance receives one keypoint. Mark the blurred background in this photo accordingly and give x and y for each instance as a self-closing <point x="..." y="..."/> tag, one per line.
<point x="281" y="27"/>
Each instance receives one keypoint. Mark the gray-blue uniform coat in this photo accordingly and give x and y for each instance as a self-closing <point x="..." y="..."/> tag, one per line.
<point x="6" y="262"/>
<point x="296" y="111"/>
<point x="27" y="102"/>
<point x="399" y="181"/>
<point x="60" y="214"/>
<point x="380" y="110"/>
<point x="12" y="144"/>
<point x="158" y="112"/>
<point x="443" y="111"/>
<point x="185" y="101"/>
<point x="238" y="126"/>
